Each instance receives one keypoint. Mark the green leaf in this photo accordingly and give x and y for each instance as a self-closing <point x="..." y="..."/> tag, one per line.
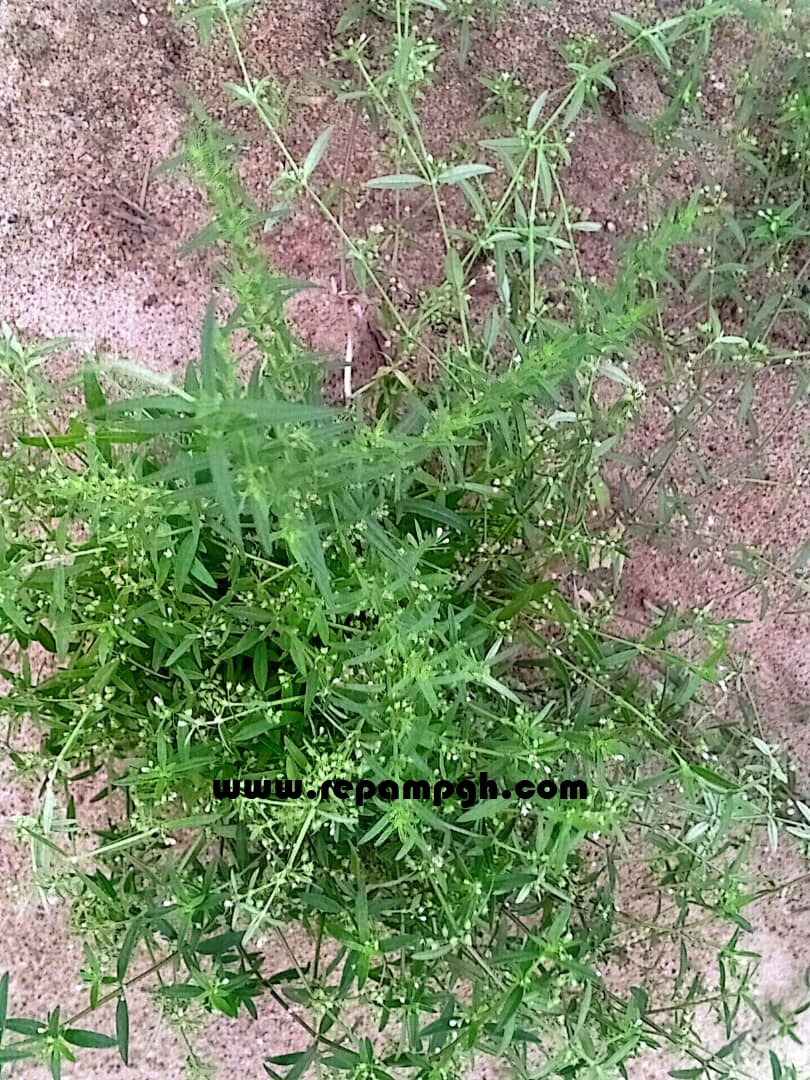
<point x="146" y="375"/>
<point x="537" y="107"/>
<point x="424" y="508"/>
<point x="574" y="107"/>
<point x="122" y="1029"/>
<point x="221" y="943"/>
<point x="224" y="1005"/>
<point x="299" y="1062"/>
<point x="199" y="572"/>
<point x="352" y="14"/>
<point x="463" y="172"/>
<point x="92" y="1040"/>
<point x="180" y="650"/>
<point x="321" y="903"/>
<point x="202" y="239"/>
<point x="152" y="403"/>
<point x="93" y="394"/>
<point x="185" y="557"/>
<point x="307" y="550"/>
<point x="125" y="953"/>
<point x="274" y="412"/>
<point x="486" y="809"/>
<point x="250" y="730"/>
<point x="660" y="51"/>
<point x="713" y="779"/>
<point x="242" y="95"/>
<point x="630" y="26"/>
<point x="313" y="158"/>
<point x="182" y="991"/>
<point x="3" y="1003"/>
<point x="23" y="1026"/>
<point x="601" y="493"/>
<point x="61" y="442"/>
<point x="55" y="1062"/>
<point x="224" y="488"/>
<point x="499" y="688"/>
<point x="544" y="176"/>
<point x="260" y="664"/>
<point x="584" y="1009"/>
<point x="397" y="181"/>
<point x="453" y="269"/>
<point x="210" y="358"/>
<point x="243" y="645"/>
<point x="10" y="1054"/>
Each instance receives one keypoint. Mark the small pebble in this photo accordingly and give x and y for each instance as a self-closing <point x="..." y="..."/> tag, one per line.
<point x="143" y="19"/>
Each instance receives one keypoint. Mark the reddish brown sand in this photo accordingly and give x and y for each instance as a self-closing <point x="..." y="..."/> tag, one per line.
<point x="89" y="103"/>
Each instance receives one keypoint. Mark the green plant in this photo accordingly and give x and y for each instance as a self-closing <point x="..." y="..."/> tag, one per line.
<point x="582" y="57"/>
<point x="234" y="580"/>
<point x="507" y="100"/>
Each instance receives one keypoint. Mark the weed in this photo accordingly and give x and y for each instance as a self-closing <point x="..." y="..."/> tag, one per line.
<point x="507" y="101"/>
<point x="234" y="580"/>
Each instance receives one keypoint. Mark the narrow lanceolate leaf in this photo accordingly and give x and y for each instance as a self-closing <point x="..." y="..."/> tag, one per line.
<point x="224" y="489"/>
<point x="3" y="1003"/>
<point x="122" y="1029"/>
<point x="397" y="181"/>
<point x="260" y="664"/>
<point x="660" y="51"/>
<point x="125" y="954"/>
<point x="93" y="1040"/>
<point x="473" y="198"/>
<point x="307" y="550"/>
<point x="93" y="394"/>
<point x="499" y="688"/>
<point x="153" y="403"/>
<point x="453" y="269"/>
<point x="241" y="94"/>
<point x="145" y="375"/>
<point x="10" y="1054"/>
<point x="199" y="572"/>
<point x="274" y="412"/>
<point x="544" y="176"/>
<point x="209" y="356"/>
<point x="313" y="158"/>
<point x="202" y="239"/>
<point x="184" y="559"/>
<point x="711" y="778"/>
<point x="21" y="1025"/>
<point x="575" y="104"/>
<point x="630" y="26"/>
<point x="424" y="508"/>
<point x="463" y="172"/>
<point x="537" y="107"/>
<point x="220" y="943"/>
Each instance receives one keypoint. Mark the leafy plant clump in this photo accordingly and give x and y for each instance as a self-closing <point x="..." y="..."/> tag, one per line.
<point x="233" y="580"/>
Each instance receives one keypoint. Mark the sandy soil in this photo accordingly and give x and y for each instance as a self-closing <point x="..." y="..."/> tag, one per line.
<point x="90" y="102"/>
